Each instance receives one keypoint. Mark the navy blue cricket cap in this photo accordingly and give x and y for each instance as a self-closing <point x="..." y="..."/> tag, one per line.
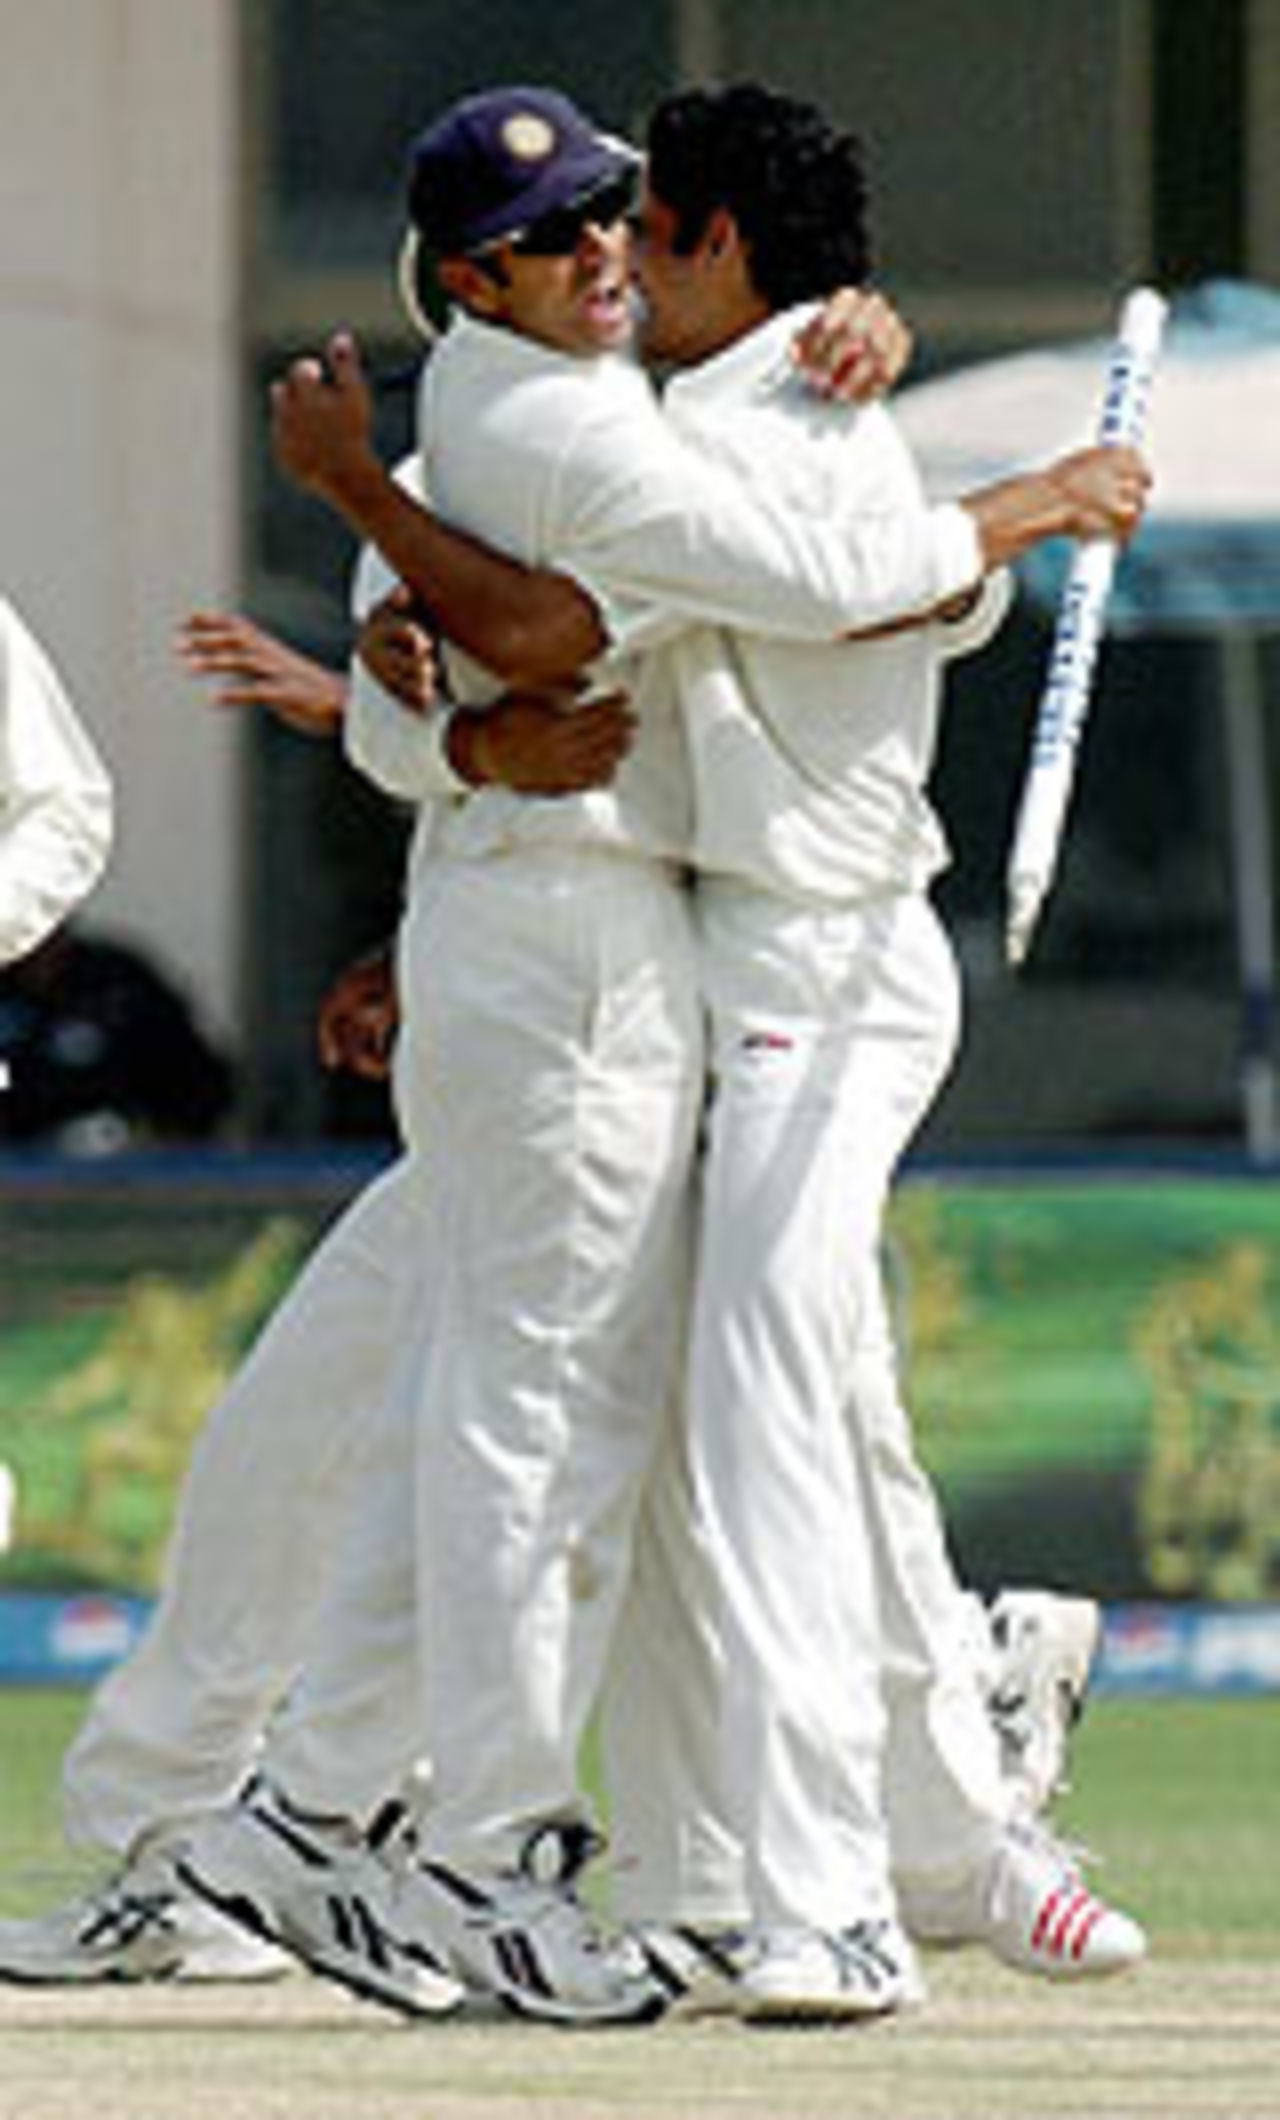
<point x="496" y="162"/>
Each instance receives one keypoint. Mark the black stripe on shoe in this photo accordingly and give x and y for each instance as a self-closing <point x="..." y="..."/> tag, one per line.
<point x="294" y="1837"/>
<point x="673" y="1984"/>
<point x="519" y="1963"/>
<point x="722" y="1951"/>
<point x="356" y="1929"/>
<point x="237" y="1906"/>
<point x="471" y="1895"/>
<point x="862" y="1948"/>
<point x="124" y="1918"/>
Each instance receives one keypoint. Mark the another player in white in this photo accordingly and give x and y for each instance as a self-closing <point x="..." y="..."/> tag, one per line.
<point x="55" y="827"/>
<point x="55" y="796"/>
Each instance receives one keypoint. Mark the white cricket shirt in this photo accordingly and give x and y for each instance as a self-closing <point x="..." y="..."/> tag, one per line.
<point x="570" y="463"/>
<point x="810" y="762"/>
<point x="55" y="797"/>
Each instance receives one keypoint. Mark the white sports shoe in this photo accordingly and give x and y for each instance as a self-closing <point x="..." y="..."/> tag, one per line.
<point x="525" y="1937"/>
<point x="140" y="1924"/>
<point x="702" y="1966"/>
<point x="811" y="1976"/>
<point x="315" y="1887"/>
<point x="1029" y="1904"/>
<point x="1045" y="1648"/>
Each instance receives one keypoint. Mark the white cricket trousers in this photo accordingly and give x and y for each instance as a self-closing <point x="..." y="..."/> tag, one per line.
<point x="852" y="1735"/>
<point x="548" y="1080"/>
<point x="176" y="1728"/>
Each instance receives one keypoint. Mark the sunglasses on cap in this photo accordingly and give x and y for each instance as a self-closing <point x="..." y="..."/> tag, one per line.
<point x="558" y="233"/>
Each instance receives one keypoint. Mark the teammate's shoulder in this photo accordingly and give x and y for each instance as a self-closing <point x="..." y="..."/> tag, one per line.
<point x="615" y="379"/>
<point x="613" y="403"/>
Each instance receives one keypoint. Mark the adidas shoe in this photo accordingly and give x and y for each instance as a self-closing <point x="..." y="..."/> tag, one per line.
<point x="1045" y="1648"/>
<point x="1029" y="1904"/>
<point x="140" y="1924"/>
<point x="315" y="1887"/>
<point x="813" y="1976"/>
<point x="525" y="1937"/>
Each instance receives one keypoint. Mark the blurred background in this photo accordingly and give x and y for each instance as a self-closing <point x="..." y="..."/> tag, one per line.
<point x="195" y="190"/>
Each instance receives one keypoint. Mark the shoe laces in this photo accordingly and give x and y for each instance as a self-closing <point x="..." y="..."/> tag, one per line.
<point x="118" y="1911"/>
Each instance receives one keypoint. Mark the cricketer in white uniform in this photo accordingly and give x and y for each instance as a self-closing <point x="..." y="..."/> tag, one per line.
<point x="473" y="1823"/>
<point x="549" y="1079"/>
<point x="834" y="1007"/>
<point x="549" y="1089"/>
<point x="55" y="796"/>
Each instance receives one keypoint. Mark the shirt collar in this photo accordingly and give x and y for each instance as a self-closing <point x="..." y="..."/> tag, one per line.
<point x="511" y="352"/>
<point x="754" y="366"/>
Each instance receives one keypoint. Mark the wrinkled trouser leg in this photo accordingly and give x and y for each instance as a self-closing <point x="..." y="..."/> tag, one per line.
<point x="832" y="1035"/>
<point x="562" y="1054"/>
<point x="548" y="1078"/>
<point x="177" y="1726"/>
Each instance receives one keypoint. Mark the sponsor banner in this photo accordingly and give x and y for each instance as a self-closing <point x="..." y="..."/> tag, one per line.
<point x="68" y="1639"/>
<point x="1091" y="1356"/>
<point x="1190" y="1649"/>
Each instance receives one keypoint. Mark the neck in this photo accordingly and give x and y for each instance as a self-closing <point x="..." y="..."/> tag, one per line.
<point x="744" y="314"/>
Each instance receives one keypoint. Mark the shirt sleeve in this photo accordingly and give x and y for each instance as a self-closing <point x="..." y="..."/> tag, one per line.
<point x="55" y="797"/>
<point x="401" y="752"/>
<point x="981" y="621"/>
<point x="662" y="538"/>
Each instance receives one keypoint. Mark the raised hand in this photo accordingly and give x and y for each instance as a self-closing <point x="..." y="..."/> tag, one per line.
<point x="322" y="421"/>
<point x="257" y="669"/>
<point x="855" y="349"/>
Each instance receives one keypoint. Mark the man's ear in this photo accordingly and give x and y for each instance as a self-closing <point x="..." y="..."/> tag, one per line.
<point x="721" y="237"/>
<point x="469" y="285"/>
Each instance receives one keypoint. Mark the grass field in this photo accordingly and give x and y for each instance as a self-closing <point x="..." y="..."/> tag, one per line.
<point x="1181" y="1801"/>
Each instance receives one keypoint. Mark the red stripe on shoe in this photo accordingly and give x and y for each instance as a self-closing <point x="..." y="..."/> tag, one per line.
<point x="1089" y="1923"/>
<point x="1044" y="1918"/>
<point x="1060" y="1940"/>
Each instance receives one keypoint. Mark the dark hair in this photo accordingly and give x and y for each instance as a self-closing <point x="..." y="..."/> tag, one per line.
<point x="793" y="183"/>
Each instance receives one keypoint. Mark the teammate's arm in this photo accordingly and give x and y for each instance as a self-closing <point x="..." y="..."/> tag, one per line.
<point x="549" y="743"/>
<point x="526" y="625"/>
<point x="855" y="348"/>
<point x="668" y="533"/>
<point x="1099" y="492"/>
<point x="254" y="668"/>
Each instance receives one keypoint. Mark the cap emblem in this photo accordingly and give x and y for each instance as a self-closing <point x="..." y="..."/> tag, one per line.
<point x="529" y="137"/>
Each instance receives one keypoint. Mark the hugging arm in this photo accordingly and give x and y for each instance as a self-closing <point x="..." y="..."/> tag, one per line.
<point x="658" y="529"/>
<point x="524" y="624"/>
